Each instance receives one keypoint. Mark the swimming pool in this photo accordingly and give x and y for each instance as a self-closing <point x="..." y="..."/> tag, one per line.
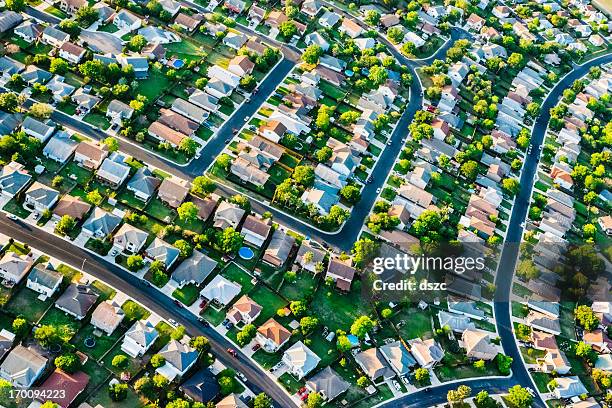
<point x="246" y="253"/>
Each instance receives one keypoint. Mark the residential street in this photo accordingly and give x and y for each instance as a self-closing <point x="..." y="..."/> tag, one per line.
<point x="147" y="296"/>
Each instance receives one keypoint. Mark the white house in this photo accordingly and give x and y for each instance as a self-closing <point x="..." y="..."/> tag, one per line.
<point x="44" y="280"/>
<point x="300" y="360"/>
<point x="139" y="338"/>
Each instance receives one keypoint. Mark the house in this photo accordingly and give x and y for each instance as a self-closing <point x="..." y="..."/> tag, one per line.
<point x="85" y="101"/>
<point x="163" y="133"/>
<point x="54" y="37"/>
<point x="124" y="20"/>
<point x="441" y="129"/>
<point x="22" y="366"/>
<point x="228" y="215"/>
<point x="9" y="67"/>
<point x="77" y="300"/>
<point x="28" y="31"/>
<point x="201" y="386"/>
<point x="72" y="52"/>
<point x="544" y="322"/>
<point x="389" y="20"/>
<point x="255" y="230"/>
<point x="241" y="65"/>
<point x="163" y="252"/>
<point x="398" y="357"/>
<point x="105" y="13"/>
<point x="170" y="6"/>
<point x="139" y="338"/>
<point x="172" y="192"/>
<point x="118" y="112"/>
<point x="272" y="335"/>
<point x="71" y="6"/>
<point x="308" y="257"/>
<point x="189" y="110"/>
<point x="33" y="75"/>
<point x="6" y="342"/>
<point x="568" y="387"/>
<point x="311" y="7"/>
<point x="218" y="88"/>
<point x="178" y="122"/>
<point x="374" y="365"/>
<point x="129" y="239"/>
<point x="72" y="385"/>
<point x="194" y="269"/>
<point x="247" y="172"/>
<point x="90" y="155"/>
<point x="256" y="15"/>
<point x="328" y="384"/>
<point x="13" y="179"/>
<point x="44" y="280"/>
<point x="341" y="272"/>
<point x="350" y="28"/>
<point x="40" y="197"/>
<point x="245" y="310"/>
<point x="456" y="322"/>
<point x="605" y="223"/>
<point x="60" y="90"/>
<point x="179" y="357"/>
<point x="329" y="19"/>
<point x="231" y="401"/>
<point x="206" y="206"/>
<point x="143" y="184"/>
<point x="221" y="290"/>
<point x="100" y="224"/>
<point x="13" y="267"/>
<point x="300" y="360"/>
<point x="426" y="352"/>
<point x="599" y="340"/>
<point x="478" y="346"/>
<point x="235" y="40"/>
<point x="315" y="38"/>
<point x="322" y="196"/>
<point x="154" y="51"/>
<point x="8" y="20"/>
<point x="278" y="250"/>
<point x="273" y="130"/>
<point x="113" y="173"/>
<point x="139" y="64"/>
<point x="554" y="361"/>
<point x="235" y="6"/>
<point x="107" y="317"/>
<point x="204" y="100"/>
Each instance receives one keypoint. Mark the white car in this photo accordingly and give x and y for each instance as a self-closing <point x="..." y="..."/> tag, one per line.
<point x="11" y="216"/>
<point x="378" y="190"/>
<point x="397" y="385"/>
<point x="241" y="376"/>
<point x="173" y="322"/>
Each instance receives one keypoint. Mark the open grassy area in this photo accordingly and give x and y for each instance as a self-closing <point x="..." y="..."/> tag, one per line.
<point x="133" y="364"/>
<point x="70" y="274"/>
<point x="267" y="360"/>
<point x="290" y="383"/>
<point x="154" y="85"/>
<point x="302" y="288"/>
<point x="447" y="373"/>
<point x="103" y="343"/>
<point x="187" y="294"/>
<point x="236" y="274"/>
<point x="66" y="325"/>
<point x="338" y="310"/>
<point x="269" y="301"/>
<point x="26" y="304"/>
<point x="413" y="323"/>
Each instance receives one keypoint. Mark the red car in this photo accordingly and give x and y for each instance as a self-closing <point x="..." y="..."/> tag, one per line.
<point x="203" y="303"/>
<point x="256" y="347"/>
<point x="232" y="352"/>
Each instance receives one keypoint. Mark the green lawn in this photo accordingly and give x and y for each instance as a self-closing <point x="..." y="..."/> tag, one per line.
<point x="101" y="397"/>
<point x="133" y="363"/>
<point x="187" y="294"/>
<point x="158" y="210"/>
<point x="303" y="287"/>
<point x="213" y="316"/>
<point x="26" y="304"/>
<point x="103" y="290"/>
<point x="72" y="169"/>
<point x="56" y="12"/>
<point x="97" y="119"/>
<point x="413" y="323"/>
<point x="103" y="343"/>
<point x="70" y="274"/>
<point x="14" y="207"/>
<point x="337" y="310"/>
<point x="290" y="383"/>
<point x="268" y="300"/>
<point x="66" y="325"/>
<point x="18" y="248"/>
<point x="154" y="85"/>
<point x="326" y="350"/>
<point x="446" y="373"/>
<point x="236" y="274"/>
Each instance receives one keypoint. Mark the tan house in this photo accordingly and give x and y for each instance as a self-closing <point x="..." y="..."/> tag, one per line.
<point x="173" y="191"/>
<point x="71" y="206"/>
<point x="478" y="346"/>
<point x="341" y="272"/>
<point x="107" y="316"/>
<point x="245" y="310"/>
<point x="90" y="155"/>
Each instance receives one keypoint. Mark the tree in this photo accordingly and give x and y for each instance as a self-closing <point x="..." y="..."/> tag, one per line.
<point x="9" y="102"/>
<point x="323" y="154"/>
<point x="527" y="269"/>
<point x="287" y="29"/>
<point x="308" y="324"/>
<point x="350" y="193"/>
<point x="111" y="143"/>
<point x="523" y="331"/>
<point x="86" y="16"/>
<point x="363" y="250"/>
<point x="262" y="401"/>
<point x="68" y="362"/>
<point x="65" y="225"/>
<point x="135" y="262"/>
<point x="202" y="185"/>
<point x="511" y="185"/>
<point x="303" y="175"/>
<point x="421" y="375"/>
<point x="586" y="317"/>
<point x="533" y="109"/>
<point x="515" y="60"/>
<point x="386" y="313"/>
<point x="297" y="307"/>
<point x="137" y="43"/>
<point x="188" y="211"/>
<point x="484" y="400"/>
<point x="226" y="385"/>
<point x="160" y="382"/>
<point x="46" y="335"/>
<point x="120" y="361"/>
<point x="378" y="75"/>
<point x="245" y="335"/>
<point x="315" y="400"/>
<point x="363" y="381"/>
<point x="586" y="351"/>
<point x="408" y="48"/>
<point x="520" y="397"/>
<point x="361" y="326"/>
<point x="479" y="365"/>
<point x="58" y="66"/>
<point x="229" y="240"/>
<point x="312" y="53"/>
<point x="157" y="360"/>
<point x="118" y="391"/>
<point x="41" y="110"/>
<point x="200" y="343"/>
<point x="372" y="17"/>
<point x="458" y="395"/>
<point x="347" y="118"/>
<point x="95" y="197"/>
<point x="184" y="247"/>
<point x="248" y="82"/>
<point x="503" y="363"/>
<point x="19" y="326"/>
<point x="15" y="5"/>
<point x="469" y="169"/>
<point x="144" y="386"/>
<point x="395" y="34"/>
<point x="188" y="146"/>
<point x="343" y="343"/>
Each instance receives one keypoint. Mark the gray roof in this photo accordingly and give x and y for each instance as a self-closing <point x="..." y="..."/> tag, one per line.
<point x="9" y="122"/>
<point x="144" y="181"/>
<point x="374" y="363"/>
<point x="55" y="34"/>
<point x="60" y="146"/>
<point x="195" y="268"/>
<point x="34" y="74"/>
<point x="162" y="251"/>
<point x="102" y="221"/>
<point x="44" y="276"/>
<point x="12" y="182"/>
<point x="328" y="382"/>
<point x="113" y="171"/>
<point x="10" y="66"/>
<point x="130" y="234"/>
<point x="116" y="106"/>
<point x="9" y="19"/>
<point x="280" y="245"/>
<point x="180" y="355"/>
<point x="204" y="100"/>
<point x="22" y="365"/>
<point x="77" y="299"/>
<point x="29" y="29"/>
<point x="36" y="126"/>
<point x="142" y="333"/>
<point x="180" y="105"/>
<point x="42" y="194"/>
<point x="101" y="42"/>
<point x="399" y="358"/>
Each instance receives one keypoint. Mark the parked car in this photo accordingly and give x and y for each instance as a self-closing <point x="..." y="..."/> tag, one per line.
<point x="256" y="347"/>
<point x="397" y="385"/>
<point x="173" y="322"/>
<point x="232" y="352"/>
<point x="241" y="376"/>
<point x="11" y="216"/>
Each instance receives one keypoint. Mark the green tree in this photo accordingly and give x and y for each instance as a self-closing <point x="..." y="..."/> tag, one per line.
<point x="19" y="326"/>
<point x="484" y="400"/>
<point x="315" y="400"/>
<point x="343" y="343"/>
<point x="200" y="343"/>
<point x="118" y="391"/>
<point x="479" y="365"/>
<point x="287" y="29"/>
<point x="58" y="66"/>
<point x="65" y="225"/>
<point x="46" y="335"/>
<point x="350" y="193"/>
<point x="15" y="5"/>
<point x="469" y="169"/>
<point x="202" y="185"/>
<point x="503" y="363"/>
<point x="421" y="375"/>
<point x="111" y="143"/>
<point x="323" y="154"/>
<point x="68" y="362"/>
<point x="95" y="197"/>
<point x="157" y="360"/>
<point x="144" y="386"/>
<point x="363" y="381"/>
<point x="86" y="16"/>
<point x="9" y="102"/>
<point x="245" y="335"/>
<point x="262" y="401"/>
<point x="372" y="17"/>
<point x="120" y="361"/>
<point x="304" y="175"/>
<point x="184" y="247"/>
<point x="361" y="326"/>
<point x="308" y="324"/>
<point x="135" y="262"/>
<point x="386" y="313"/>
<point x="137" y="43"/>
<point x="311" y="54"/>
<point x="520" y="397"/>
<point x="41" y="110"/>
<point x="188" y="146"/>
<point x="586" y="317"/>
<point x="229" y="240"/>
<point x="188" y="211"/>
<point x="297" y="307"/>
<point x="363" y="250"/>
<point x="511" y="186"/>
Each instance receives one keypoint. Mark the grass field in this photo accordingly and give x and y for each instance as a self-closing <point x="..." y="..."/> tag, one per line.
<point x="187" y="294"/>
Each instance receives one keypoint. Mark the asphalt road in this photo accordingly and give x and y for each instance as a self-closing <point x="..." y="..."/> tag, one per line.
<point x="147" y="296"/>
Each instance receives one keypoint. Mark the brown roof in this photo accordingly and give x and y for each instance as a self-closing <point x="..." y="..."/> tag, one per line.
<point x="247" y="306"/>
<point x="178" y="122"/>
<point x="274" y="126"/>
<point x="71" y="385"/>
<point x="342" y="269"/>
<point x="164" y="132"/>
<point x="264" y="145"/>
<point x="173" y="191"/>
<point x="186" y="21"/>
<point x="275" y="18"/>
<point x="257" y="226"/>
<point x="274" y="331"/>
<point x="72" y="206"/>
<point x="206" y="206"/>
<point x="243" y="62"/>
<point x="72" y="49"/>
<point x="92" y="150"/>
<point x="255" y="46"/>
